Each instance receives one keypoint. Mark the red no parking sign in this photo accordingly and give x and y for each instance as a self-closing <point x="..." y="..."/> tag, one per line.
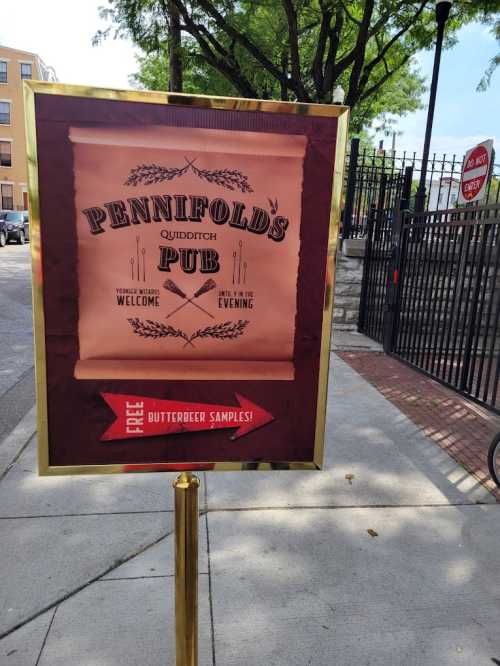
<point x="475" y="173"/>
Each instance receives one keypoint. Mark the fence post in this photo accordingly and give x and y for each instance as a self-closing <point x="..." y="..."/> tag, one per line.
<point x="350" y="189"/>
<point x="381" y="194"/>
<point x="394" y="272"/>
<point x="406" y="193"/>
<point x="471" y="323"/>
<point x="363" y="300"/>
<point x="391" y="305"/>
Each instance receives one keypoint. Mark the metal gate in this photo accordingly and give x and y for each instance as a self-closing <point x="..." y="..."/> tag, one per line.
<point x="393" y="195"/>
<point x="445" y="317"/>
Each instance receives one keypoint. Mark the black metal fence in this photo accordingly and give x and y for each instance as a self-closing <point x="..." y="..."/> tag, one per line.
<point x="431" y="295"/>
<point x="393" y="195"/>
<point x="363" y="176"/>
<point x="431" y="281"/>
<point x="445" y="319"/>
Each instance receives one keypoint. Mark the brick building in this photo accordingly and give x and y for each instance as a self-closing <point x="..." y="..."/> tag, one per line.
<point x="14" y="67"/>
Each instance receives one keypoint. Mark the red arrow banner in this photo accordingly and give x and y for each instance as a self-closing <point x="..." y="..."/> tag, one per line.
<point x="139" y="416"/>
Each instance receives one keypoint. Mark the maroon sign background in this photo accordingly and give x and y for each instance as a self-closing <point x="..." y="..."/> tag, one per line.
<point x="81" y="411"/>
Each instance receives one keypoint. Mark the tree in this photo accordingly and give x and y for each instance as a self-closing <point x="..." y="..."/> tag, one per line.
<point x="292" y="49"/>
<point x="495" y="61"/>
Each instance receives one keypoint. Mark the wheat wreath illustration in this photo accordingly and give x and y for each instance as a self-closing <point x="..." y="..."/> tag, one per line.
<point x="148" y="174"/>
<point x="227" y="330"/>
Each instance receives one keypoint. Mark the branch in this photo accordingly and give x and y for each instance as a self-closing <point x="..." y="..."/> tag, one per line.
<point x="216" y="44"/>
<point x="350" y="57"/>
<point x="360" y="50"/>
<point x="382" y="53"/>
<point x="488" y="75"/>
<point x="393" y="11"/>
<point x="376" y="86"/>
<point x="239" y="37"/>
<point x="222" y="63"/>
<point x="251" y="47"/>
<point x="293" y="41"/>
<point x="172" y="21"/>
<point x="349" y="15"/>
<point x="317" y="65"/>
<point x="306" y="28"/>
<point x="331" y="71"/>
<point x="379" y="46"/>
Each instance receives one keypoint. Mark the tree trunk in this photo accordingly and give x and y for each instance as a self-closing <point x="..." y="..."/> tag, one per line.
<point x="174" y="50"/>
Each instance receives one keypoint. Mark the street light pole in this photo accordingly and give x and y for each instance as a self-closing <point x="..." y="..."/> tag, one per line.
<point x="442" y="12"/>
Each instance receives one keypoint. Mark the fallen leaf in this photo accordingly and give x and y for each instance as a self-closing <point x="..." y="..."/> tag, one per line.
<point x="371" y="532"/>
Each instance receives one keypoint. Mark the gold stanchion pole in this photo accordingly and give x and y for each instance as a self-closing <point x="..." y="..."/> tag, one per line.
<point x="186" y="569"/>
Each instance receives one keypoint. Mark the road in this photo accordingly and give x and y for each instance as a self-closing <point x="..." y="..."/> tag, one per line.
<point x="17" y="392"/>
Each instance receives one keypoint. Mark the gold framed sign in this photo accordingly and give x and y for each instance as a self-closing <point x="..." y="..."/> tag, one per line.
<point x="183" y="260"/>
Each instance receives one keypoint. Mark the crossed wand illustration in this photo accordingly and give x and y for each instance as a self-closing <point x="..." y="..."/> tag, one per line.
<point x="208" y="285"/>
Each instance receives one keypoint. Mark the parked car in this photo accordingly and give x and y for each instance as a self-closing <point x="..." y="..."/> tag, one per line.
<point x="3" y="228"/>
<point x="17" y="226"/>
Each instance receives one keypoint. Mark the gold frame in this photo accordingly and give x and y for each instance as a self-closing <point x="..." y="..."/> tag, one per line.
<point x="31" y="88"/>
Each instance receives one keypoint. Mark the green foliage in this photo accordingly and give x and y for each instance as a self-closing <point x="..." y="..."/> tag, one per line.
<point x="152" y="74"/>
<point x="293" y="49"/>
<point x="495" y="61"/>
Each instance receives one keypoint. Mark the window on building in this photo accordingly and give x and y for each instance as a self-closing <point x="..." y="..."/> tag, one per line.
<point x="3" y="71"/>
<point x="5" y="153"/>
<point x="26" y="70"/>
<point x="4" y="113"/>
<point x="7" y="196"/>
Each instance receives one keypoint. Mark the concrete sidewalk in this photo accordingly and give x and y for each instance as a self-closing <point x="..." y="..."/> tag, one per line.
<point x="459" y="426"/>
<point x="289" y="574"/>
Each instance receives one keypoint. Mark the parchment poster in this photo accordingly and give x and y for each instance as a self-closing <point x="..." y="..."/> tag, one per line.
<point x="188" y="252"/>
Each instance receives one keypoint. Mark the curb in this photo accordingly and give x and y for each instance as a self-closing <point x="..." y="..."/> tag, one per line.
<point x="12" y="445"/>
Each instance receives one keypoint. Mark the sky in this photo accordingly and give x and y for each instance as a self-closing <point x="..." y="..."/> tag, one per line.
<point x="60" y="31"/>
<point x="463" y="117"/>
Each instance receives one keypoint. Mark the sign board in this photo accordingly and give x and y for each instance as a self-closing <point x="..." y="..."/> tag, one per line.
<point x="475" y="173"/>
<point x="183" y="252"/>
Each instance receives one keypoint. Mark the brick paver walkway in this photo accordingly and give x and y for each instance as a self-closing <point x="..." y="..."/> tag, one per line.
<point x="460" y="427"/>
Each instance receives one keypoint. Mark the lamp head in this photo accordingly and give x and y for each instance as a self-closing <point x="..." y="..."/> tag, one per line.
<point x="338" y="95"/>
<point x="443" y="10"/>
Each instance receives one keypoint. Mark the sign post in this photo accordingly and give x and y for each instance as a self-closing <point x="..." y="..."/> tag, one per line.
<point x="183" y="252"/>
<point x="186" y="569"/>
<point x="475" y="173"/>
